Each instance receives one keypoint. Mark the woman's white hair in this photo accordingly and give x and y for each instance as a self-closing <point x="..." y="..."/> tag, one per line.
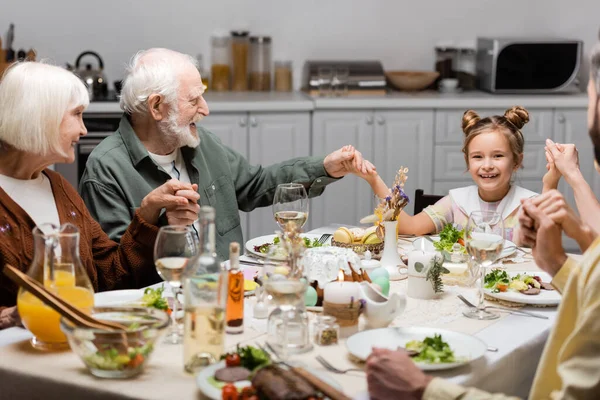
<point x="153" y="71"/>
<point x="34" y="98"/>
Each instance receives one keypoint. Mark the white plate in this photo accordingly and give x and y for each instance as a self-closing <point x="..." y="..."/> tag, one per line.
<point x="509" y="247"/>
<point x="545" y="298"/>
<point x="117" y="297"/>
<point x="259" y="241"/>
<point x="465" y="347"/>
<point x="215" y="394"/>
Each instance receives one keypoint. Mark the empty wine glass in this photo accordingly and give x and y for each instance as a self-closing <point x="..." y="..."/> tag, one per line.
<point x="174" y="246"/>
<point x="484" y="240"/>
<point x="290" y="204"/>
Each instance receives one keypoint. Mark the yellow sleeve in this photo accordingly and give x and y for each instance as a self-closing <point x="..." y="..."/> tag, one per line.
<point x="578" y="358"/>
<point x="562" y="276"/>
<point x="440" y="389"/>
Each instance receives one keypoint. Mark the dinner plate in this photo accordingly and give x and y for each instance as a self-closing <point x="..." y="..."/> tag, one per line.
<point x="545" y="298"/>
<point x="419" y="243"/>
<point x="258" y="241"/>
<point x="466" y="348"/>
<point x="118" y="297"/>
<point x="214" y="393"/>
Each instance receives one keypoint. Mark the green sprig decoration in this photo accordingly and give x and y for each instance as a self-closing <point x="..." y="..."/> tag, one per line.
<point x="434" y="273"/>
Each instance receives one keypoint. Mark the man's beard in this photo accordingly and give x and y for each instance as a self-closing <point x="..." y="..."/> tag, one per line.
<point x="178" y="135"/>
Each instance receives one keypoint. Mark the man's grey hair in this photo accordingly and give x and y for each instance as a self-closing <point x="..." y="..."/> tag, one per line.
<point x="153" y="71"/>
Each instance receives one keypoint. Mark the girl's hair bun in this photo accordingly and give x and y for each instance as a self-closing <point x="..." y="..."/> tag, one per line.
<point x="469" y="120"/>
<point x="517" y="115"/>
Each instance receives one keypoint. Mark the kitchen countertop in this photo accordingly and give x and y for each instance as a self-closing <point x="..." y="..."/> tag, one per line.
<point x="299" y="101"/>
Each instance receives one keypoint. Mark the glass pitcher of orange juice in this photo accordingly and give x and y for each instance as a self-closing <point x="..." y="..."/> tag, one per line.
<point x="56" y="264"/>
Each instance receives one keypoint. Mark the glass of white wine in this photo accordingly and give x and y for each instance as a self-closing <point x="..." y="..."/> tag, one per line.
<point x="484" y="240"/>
<point x="174" y="246"/>
<point x="290" y="204"/>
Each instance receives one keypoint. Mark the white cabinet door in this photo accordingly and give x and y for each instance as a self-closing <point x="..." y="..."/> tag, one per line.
<point x="232" y="129"/>
<point x="350" y="199"/>
<point x="273" y="138"/>
<point x="405" y="138"/>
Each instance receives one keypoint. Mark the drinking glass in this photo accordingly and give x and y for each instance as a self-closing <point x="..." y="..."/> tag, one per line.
<point x="174" y="246"/>
<point x="290" y="204"/>
<point x="484" y="240"/>
<point x="325" y="75"/>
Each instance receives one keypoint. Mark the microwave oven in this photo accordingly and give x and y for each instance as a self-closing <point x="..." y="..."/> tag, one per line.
<point x="510" y="65"/>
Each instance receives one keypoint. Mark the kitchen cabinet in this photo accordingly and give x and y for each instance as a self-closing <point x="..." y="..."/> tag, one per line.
<point x="264" y="139"/>
<point x="273" y="138"/>
<point x="389" y="139"/>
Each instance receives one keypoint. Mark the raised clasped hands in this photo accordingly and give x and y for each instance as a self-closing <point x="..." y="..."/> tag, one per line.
<point x="348" y="160"/>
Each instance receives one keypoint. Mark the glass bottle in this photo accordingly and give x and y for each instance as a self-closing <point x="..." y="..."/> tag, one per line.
<point x="283" y="76"/>
<point x="220" y="71"/>
<point x="327" y="330"/>
<point x="260" y="64"/>
<point x="56" y="265"/>
<point x="240" y="48"/>
<point x="235" y="295"/>
<point x="205" y="298"/>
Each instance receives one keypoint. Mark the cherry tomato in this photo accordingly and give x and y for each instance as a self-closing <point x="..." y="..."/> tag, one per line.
<point x="248" y="392"/>
<point x="461" y="241"/>
<point x="233" y="360"/>
<point x="502" y="287"/>
<point x="229" y="392"/>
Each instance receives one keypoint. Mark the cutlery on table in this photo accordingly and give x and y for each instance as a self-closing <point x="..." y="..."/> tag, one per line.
<point x="323" y="387"/>
<point x="324" y="237"/>
<point x="508" y="310"/>
<point x="331" y="368"/>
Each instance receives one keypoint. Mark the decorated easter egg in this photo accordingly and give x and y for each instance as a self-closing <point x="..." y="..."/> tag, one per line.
<point x="383" y="283"/>
<point x="310" y="297"/>
<point x="379" y="272"/>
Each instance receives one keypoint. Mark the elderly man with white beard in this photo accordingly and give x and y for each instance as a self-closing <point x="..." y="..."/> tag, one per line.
<point x="158" y="139"/>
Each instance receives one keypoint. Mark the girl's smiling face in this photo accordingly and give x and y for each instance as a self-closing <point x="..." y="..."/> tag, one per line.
<point x="491" y="164"/>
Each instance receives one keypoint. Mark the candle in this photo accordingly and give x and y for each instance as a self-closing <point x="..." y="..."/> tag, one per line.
<point x="341" y="292"/>
<point x="419" y="263"/>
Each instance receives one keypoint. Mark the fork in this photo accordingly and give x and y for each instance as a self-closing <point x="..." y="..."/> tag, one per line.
<point x="517" y="312"/>
<point x="331" y="368"/>
<point x="324" y="237"/>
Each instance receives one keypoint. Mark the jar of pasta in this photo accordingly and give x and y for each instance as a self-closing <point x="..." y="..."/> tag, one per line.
<point x="220" y="71"/>
<point x="260" y="65"/>
<point x="240" y="48"/>
<point x="283" y="76"/>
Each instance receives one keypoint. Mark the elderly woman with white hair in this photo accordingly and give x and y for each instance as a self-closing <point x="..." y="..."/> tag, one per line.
<point x="41" y="109"/>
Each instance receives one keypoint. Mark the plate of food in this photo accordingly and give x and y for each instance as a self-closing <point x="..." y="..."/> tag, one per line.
<point x="529" y="287"/>
<point x="431" y="349"/>
<point x="450" y="242"/>
<point x="261" y="245"/>
<point x="247" y="372"/>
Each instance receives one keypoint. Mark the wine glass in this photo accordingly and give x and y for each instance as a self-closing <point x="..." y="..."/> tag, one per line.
<point x="174" y="246"/>
<point x="290" y="204"/>
<point x="484" y="240"/>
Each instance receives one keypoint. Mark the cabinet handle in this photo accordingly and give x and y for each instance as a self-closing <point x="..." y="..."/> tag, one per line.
<point x="381" y="120"/>
<point x="369" y="120"/>
<point x="561" y="119"/>
<point x="253" y="122"/>
<point x="243" y="122"/>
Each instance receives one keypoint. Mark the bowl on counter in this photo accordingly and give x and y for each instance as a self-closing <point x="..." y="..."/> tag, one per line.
<point x="117" y="354"/>
<point x="411" y="80"/>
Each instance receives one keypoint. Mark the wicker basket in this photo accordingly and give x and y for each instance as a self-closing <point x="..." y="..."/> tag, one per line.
<point x="360" y="248"/>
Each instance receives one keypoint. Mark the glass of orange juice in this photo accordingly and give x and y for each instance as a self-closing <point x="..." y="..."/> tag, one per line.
<point x="56" y="264"/>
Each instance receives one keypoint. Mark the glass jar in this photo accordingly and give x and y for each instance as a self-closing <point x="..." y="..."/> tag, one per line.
<point x="260" y="64"/>
<point x="57" y="266"/>
<point x="205" y="298"/>
<point x="465" y="65"/>
<point x="326" y="330"/>
<point x="240" y="48"/>
<point x="220" y="71"/>
<point x="202" y="69"/>
<point x="444" y="60"/>
<point x="283" y="76"/>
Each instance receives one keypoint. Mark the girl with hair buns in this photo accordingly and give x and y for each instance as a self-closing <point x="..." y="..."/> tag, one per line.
<point x="493" y="150"/>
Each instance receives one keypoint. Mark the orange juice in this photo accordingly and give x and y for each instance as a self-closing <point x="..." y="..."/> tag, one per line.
<point x="41" y="320"/>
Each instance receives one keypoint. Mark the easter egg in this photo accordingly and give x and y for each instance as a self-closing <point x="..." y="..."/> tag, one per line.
<point x="383" y="283"/>
<point x="379" y="272"/>
<point x="310" y="296"/>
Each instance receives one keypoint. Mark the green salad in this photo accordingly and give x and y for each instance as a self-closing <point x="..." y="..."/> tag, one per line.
<point x="264" y="248"/>
<point x="154" y="298"/>
<point x="111" y="359"/>
<point x="448" y="237"/>
<point x="432" y="350"/>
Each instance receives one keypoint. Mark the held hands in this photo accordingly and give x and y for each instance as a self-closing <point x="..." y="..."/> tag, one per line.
<point x="348" y="160"/>
<point x="393" y="375"/>
<point x="564" y="156"/>
<point x="178" y="198"/>
<point x="551" y="178"/>
<point x="542" y="233"/>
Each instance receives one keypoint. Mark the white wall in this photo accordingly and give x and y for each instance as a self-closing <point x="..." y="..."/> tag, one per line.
<point x="401" y="33"/>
